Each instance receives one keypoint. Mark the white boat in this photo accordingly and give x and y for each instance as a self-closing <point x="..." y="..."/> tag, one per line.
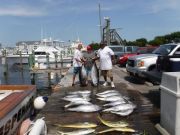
<point x="15" y="105"/>
<point x="41" y="54"/>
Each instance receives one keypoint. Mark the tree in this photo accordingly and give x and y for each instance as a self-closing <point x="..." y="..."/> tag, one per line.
<point x="141" y="42"/>
<point x="94" y="46"/>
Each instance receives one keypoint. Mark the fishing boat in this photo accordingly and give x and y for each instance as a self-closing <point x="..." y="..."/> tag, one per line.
<point x="16" y="102"/>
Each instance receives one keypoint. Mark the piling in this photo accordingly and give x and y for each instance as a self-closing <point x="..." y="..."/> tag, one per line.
<point x="4" y="63"/>
<point x="20" y="55"/>
<point x="61" y="60"/>
<point x="56" y="56"/>
<point x="47" y="60"/>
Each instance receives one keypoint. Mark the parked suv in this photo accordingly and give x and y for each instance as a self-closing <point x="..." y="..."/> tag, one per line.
<point x="147" y="62"/>
<point x="121" y="50"/>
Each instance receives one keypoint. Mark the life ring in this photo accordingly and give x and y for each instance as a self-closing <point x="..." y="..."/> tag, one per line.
<point x="29" y="127"/>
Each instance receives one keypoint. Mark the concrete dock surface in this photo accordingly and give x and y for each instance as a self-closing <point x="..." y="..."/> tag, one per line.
<point x="143" y="119"/>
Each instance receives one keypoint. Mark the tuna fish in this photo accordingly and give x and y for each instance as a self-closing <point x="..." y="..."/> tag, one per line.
<point x="110" y="94"/>
<point x="105" y="92"/>
<point x="78" y="102"/>
<point x="118" y="102"/>
<point x="85" y="108"/>
<point x="83" y="76"/>
<point x="123" y="113"/>
<point x="74" y="99"/>
<point x="111" y="98"/>
<point x="80" y="92"/>
<point x="95" y="75"/>
<point x="121" y="107"/>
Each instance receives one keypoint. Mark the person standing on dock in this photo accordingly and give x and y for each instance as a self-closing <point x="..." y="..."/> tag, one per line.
<point x="77" y="63"/>
<point x="106" y="57"/>
<point x="88" y="61"/>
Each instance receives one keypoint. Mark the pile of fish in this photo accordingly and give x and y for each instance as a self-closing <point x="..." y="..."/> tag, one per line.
<point x="117" y="104"/>
<point x="80" y="102"/>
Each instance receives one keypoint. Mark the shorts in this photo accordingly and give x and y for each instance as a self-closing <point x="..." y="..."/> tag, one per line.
<point x="107" y="73"/>
<point x="76" y="70"/>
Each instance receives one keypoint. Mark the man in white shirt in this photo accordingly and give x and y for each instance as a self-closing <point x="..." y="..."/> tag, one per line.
<point x="77" y="62"/>
<point x="106" y="55"/>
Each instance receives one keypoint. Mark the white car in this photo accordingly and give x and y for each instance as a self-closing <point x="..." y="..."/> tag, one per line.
<point x="136" y="65"/>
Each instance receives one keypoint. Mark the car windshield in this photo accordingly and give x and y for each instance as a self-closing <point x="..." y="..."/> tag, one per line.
<point x="146" y="50"/>
<point x="117" y="49"/>
<point x="164" y="49"/>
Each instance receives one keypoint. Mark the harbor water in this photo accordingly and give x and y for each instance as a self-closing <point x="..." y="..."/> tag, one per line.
<point x="20" y="74"/>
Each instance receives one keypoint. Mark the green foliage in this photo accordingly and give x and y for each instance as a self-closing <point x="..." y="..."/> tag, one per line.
<point x="158" y="40"/>
<point x="95" y="46"/>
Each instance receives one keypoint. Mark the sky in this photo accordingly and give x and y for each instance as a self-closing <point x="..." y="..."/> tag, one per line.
<point x="64" y="20"/>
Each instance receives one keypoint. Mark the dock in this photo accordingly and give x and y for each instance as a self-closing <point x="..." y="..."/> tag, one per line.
<point x="143" y="119"/>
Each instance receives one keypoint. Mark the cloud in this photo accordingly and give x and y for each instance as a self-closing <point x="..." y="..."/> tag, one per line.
<point x="162" y="5"/>
<point x="21" y="11"/>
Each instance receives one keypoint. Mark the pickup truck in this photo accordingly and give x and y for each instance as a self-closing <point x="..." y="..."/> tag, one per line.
<point x="147" y="62"/>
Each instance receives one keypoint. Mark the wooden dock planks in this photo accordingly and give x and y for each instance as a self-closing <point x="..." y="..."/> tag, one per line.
<point x="140" y="119"/>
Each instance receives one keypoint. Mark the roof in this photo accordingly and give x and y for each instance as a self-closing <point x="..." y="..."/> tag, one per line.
<point x="46" y="49"/>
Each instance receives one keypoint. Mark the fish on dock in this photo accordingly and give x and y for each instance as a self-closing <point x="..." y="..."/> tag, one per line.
<point x="111" y="98"/>
<point x="105" y="92"/>
<point x="85" y="108"/>
<point x="74" y="99"/>
<point x="110" y="94"/>
<point x="120" y="129"/>
<point x="78" y="102"/>
<point x="77" y="132"/>
<point x="118" y="102"/>
<point x="123" y="113"/>
<point x="121" y="107"/>
<point x="80" y="92"/>
<point x="114" y="124"/>
<point x="78" y="125"/>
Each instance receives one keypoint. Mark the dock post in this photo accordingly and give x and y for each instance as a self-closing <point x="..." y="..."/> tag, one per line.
<point x="31" y="60"/>
<point x="32" y="78"/>
<point x="56" y="64"/>
<point x="47" y="60"/>
<point x="61" y="61"/>
<point x="4" y="62"/>
<point x="20" y="55"/>
<point x="49" y="79"/>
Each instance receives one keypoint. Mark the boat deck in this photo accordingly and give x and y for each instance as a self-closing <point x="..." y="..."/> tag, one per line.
<point x="143" y="119"/>
<point x="15" y="95"/>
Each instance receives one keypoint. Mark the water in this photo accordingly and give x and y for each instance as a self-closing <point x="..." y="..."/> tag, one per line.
<point x="17" y="75"/>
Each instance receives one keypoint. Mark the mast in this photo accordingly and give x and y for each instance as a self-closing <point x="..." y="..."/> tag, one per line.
<point x="100" y="25"/>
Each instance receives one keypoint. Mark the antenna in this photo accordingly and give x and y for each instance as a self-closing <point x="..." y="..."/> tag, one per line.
<point x="100" y="25"/>
<point x="41" y="33"/>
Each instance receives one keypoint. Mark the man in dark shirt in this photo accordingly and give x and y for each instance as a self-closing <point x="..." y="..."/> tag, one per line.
<point x="88" y="58"/>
